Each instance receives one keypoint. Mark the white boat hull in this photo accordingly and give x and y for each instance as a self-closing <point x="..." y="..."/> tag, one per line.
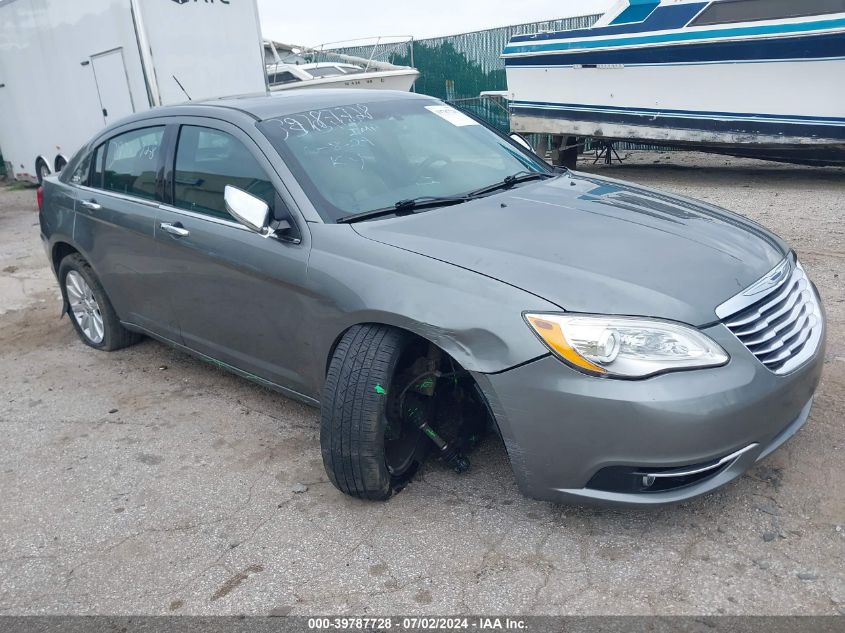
<point x="765" y="86"/>
<point x="786" y="88"/>
<point x="795" y="102"/>
<point x="402" y="80"/>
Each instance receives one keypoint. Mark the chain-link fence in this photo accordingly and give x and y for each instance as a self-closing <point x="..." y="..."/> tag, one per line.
<point x="461" y="66"/>
<point x="379" y="49"/>
<point x="493" y="110"/>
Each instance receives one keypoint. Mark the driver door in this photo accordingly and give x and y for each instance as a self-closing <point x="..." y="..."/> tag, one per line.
<point x="238" y="296"/>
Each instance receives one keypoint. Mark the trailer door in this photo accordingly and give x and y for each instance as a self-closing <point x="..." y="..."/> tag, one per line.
<point x="112" y="85"/>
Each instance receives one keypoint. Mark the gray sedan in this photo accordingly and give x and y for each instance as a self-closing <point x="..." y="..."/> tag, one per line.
<point x="422" y="278"/>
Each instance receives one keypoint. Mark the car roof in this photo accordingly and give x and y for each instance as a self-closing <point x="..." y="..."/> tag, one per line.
<point x="275" y="104"/>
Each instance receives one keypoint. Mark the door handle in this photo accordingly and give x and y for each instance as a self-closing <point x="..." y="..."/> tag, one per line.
<point x="90" y="204"/>
<point x="175" y="229"/>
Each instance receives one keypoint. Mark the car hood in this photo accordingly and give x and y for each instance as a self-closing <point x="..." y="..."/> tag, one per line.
<point x="596" y="245"/>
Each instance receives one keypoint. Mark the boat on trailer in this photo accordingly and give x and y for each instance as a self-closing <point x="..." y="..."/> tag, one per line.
<point x="756" y="78"/>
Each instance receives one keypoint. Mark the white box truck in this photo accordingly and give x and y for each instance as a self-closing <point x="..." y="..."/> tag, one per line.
<point x="68" y="68"/>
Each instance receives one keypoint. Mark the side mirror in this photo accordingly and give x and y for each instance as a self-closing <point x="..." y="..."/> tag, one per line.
<point x="250" y="211"/>
<point x="520" y="140"/>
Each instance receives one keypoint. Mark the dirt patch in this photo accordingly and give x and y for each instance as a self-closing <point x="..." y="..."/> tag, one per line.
<point x="235" y="581"/>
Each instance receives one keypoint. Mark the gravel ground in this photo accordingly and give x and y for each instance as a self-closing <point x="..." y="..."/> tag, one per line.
<point x="144" y="481"/>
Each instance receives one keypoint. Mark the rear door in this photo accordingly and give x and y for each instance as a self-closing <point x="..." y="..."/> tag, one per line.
<point x="117" y="198"/>
<point x="238" y="295"/>
<point x="112" y="85"/>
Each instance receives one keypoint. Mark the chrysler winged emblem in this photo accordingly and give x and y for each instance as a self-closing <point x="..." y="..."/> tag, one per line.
<point x="772" y="279"/>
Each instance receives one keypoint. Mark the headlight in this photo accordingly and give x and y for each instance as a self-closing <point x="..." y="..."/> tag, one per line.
<point x="626" y="347"/>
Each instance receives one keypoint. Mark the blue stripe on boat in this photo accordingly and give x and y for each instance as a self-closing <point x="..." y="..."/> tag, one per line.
<point x="681" y="36"/>
<point x="807" y="46"/>
<point x="637" y="11"/>
<point x="704" y="63"/>
<point x="663" y="19"/>
<point x="691" y="113"/>
<point x="733" y="123"/>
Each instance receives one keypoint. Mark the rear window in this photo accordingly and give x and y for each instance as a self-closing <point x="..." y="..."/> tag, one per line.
<point x="731" y="11"/>
<point x="132" y="162"/>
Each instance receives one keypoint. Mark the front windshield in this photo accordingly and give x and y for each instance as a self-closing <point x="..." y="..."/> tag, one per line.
<point x="366" y="156"/>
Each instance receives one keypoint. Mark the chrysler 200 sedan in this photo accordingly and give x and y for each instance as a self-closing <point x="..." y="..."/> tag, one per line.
<point x="419" y="277"/>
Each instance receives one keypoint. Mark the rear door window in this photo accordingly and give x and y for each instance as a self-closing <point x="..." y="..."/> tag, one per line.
<point x="206" y="161"/>
<point x="131" y="162"/>
<point x="83" y="171"/>
<point x="95" y="179"/>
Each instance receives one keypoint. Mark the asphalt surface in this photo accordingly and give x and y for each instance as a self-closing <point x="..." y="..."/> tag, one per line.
<point x="146" y="482"/>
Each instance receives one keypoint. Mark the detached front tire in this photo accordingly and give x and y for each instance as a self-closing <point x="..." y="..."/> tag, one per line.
<point x="369" y="452"/>
<point x="90" y="310"/>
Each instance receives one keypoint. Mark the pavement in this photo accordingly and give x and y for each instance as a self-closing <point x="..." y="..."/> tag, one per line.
<point x="147" y="482"/>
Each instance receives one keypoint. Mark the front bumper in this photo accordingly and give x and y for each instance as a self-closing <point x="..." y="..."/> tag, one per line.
<point x="562" y="428"/>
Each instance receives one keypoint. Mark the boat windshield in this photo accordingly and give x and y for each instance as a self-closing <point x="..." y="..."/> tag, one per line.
<point x="363" y="156"/>
<point x="282" y="77"/>
<point x="324" y="71"/>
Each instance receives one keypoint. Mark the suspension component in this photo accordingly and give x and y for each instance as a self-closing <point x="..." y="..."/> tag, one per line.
<point x="415" y="410"/>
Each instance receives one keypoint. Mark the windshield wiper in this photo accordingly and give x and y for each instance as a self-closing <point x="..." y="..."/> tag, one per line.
<point x="510" y="181"/>
<point x="411" y="205"/>
<point x="404" y="207"/>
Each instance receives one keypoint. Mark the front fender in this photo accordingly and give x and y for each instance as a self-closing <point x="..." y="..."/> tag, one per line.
<point x="476" y="319"/>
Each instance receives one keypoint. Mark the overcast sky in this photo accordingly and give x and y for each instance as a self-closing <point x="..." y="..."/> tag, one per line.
<point x="312" y="23"/>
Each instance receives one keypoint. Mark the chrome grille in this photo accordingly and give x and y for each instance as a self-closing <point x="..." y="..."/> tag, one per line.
<point x="778" y="318"/>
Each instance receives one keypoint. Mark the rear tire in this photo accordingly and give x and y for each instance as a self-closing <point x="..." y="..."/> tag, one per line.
<point x="354" y="423"/>
<point x="94" y="318"/>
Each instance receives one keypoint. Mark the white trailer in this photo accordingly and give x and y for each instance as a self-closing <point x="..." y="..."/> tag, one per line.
<point x="67" y="69"/>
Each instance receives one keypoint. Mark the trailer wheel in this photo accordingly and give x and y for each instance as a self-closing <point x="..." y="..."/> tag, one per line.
<point x="42" y="170"/>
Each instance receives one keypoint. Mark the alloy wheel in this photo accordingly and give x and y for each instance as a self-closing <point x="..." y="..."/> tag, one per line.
<point x="84" y="307"/>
